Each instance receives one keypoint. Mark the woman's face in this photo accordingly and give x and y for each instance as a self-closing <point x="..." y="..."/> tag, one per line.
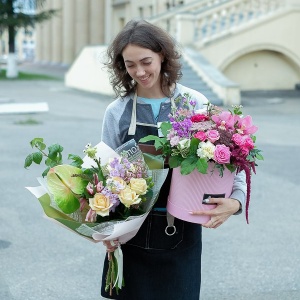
<point x="143" y="65"/>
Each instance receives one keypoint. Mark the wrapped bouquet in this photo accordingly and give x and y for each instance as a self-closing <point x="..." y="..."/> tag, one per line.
<point x="105" y="196"/>
<point x="206" y="148"/>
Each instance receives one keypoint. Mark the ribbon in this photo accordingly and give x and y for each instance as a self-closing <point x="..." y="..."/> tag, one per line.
<point x="119" y="257"/>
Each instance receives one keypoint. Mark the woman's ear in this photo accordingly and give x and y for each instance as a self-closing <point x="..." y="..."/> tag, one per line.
<point x="162" y="59"/>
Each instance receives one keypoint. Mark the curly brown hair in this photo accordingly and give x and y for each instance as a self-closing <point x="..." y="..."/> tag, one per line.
<point x="143" y="34"/>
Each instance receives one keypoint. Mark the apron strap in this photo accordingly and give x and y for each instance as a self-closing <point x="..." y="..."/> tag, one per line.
<point x="132" y="127"/>
<point x="133" y="122"/>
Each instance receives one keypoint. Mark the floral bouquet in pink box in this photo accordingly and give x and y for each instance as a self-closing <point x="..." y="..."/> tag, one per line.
<point x="205" y="148"/>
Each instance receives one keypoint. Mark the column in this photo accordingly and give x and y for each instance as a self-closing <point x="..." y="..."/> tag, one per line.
<point x="38" y="44"/>
<point x="81" y="25"/>
<point x="47" y="36"/>
<point x="68" y="32"/>
<point x="56" y="32"/>
<point x="96" y="22"/>
<point x="108" y="21"/>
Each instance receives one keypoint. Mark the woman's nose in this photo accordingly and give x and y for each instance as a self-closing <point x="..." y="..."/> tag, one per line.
<point x="140" y="71"/>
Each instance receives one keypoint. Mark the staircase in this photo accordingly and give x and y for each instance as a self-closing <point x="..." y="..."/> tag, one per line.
<point x="206" y="25"/>
<point x="192" y="80"/>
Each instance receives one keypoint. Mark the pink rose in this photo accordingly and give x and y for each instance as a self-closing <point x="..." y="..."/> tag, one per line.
<point x="238" y="139"/>
<point x="212" y="135"/>
<point x="199" y="118"/>
<point x="200" y="135"/>
<point x="222" y="154"/>
<point x="248" y="143"/>
<point x="244" y="151"/>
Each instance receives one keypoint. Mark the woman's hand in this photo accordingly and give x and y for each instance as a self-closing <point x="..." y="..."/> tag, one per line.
<point x="225" y="208"/>
<point x="111" y="246"/>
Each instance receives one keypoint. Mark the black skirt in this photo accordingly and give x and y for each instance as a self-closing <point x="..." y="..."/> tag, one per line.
<point x="157" y="266"/>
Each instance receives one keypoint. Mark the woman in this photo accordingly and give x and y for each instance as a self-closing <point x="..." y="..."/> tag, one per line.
<point x="145" y="69"/>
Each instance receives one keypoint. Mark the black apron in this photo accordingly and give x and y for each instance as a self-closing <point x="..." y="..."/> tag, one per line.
<point x="157" y="264"/>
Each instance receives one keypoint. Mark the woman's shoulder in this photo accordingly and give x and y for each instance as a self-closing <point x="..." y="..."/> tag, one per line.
<point x="117" y="104"/>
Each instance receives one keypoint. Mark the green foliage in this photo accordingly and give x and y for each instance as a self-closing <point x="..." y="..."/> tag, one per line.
<point x="12" y="13"/>
<point x="27" y="76"/>
<point x="202" y="165"/>
<point x="237" y="110"/>
<point x="175" y="161"/>
<point x="188" y="165"/>
<point x="52" y="158"/>
<point x="255" y="154"/>
<point x="77" y="160"/>
<point x="29" y="121"/>
<point x="165" y="127"/>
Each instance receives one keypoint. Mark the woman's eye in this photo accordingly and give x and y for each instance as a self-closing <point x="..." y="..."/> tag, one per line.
<point x="129" y="66"/>
<point x="147" y="63"/>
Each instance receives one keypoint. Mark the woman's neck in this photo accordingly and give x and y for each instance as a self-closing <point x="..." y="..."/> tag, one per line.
<point x="150" y="93"/>
<point x="156" y="93"/>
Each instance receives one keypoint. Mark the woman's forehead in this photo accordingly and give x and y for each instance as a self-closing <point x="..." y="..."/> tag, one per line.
<point x="137" y="53"/>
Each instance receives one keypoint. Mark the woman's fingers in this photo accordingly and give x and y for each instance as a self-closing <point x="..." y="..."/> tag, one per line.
<point x="111" y="246"/>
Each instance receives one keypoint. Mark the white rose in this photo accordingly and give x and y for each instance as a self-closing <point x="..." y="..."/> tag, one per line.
<point x="100" y="204"/>
<point x="206" y="150"/>
<point x="129" y="197"/>
<point x="138" y="185"/>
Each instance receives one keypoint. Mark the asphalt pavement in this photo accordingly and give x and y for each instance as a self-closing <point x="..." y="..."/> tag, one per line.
<point x="40" y="260"/>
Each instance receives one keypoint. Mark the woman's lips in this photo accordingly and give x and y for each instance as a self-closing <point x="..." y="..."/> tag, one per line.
<point x="144" y="79"/>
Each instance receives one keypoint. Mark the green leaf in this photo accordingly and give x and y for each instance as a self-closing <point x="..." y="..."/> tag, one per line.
<point x="65" y="187"/>
<point x="158" y="144"/>
<point x="194" y="146"/>
<point x="149" y="138"/>
<point x="52" y="163"/>
<point x="46" y="172"/>
<point x="202" y="165"/>
<point x="36" y="141"/>
<point x="77" y="160"/>
<point x="28" y="161"/>
<point x="54" y="151"/>
<point x="165" y="128"/>
<point x="175" y="161"/>
<point x="48" y="162"/>
<point x="188" y="165"/>
<point x="37" y="157"/>
<point x="230" y="167"/>
<point x="259" y="156"/>
<point x="250" y="158"/>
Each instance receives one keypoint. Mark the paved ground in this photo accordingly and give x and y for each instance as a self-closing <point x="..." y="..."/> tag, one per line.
<point x="40" y="260"/>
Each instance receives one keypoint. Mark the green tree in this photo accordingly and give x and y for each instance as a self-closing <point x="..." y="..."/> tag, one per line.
<point x="16" y="14"/>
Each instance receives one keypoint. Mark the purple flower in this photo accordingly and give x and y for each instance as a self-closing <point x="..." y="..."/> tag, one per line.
<point x="113" y="198"/>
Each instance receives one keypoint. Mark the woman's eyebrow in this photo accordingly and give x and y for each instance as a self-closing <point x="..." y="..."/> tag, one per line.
<point x="145" y="58"/>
